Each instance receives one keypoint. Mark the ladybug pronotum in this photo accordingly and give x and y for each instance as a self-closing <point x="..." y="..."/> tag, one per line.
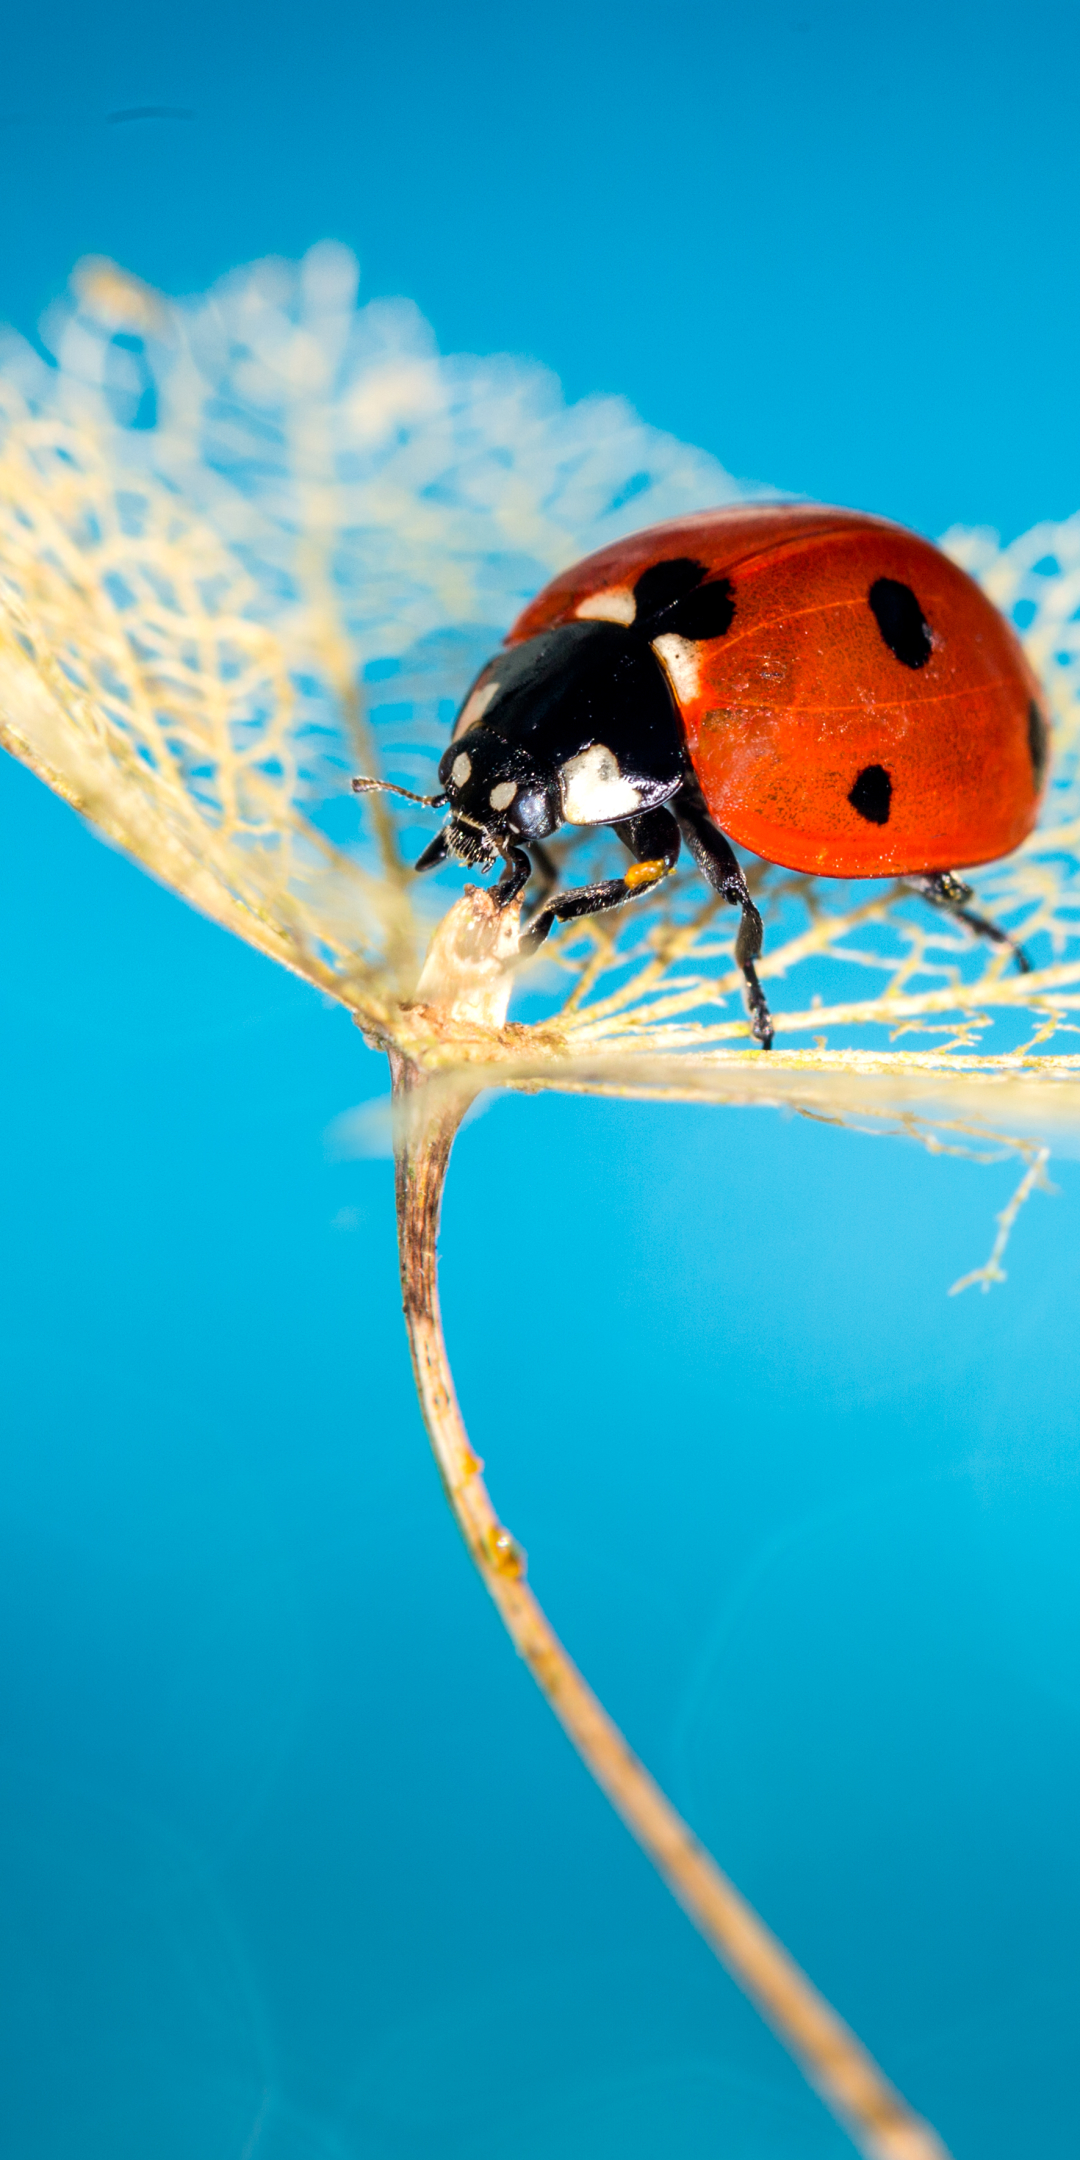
<point x="820" y="686"/>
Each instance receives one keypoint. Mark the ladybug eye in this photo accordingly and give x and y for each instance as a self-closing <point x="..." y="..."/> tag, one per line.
<point x="901" y="621"/>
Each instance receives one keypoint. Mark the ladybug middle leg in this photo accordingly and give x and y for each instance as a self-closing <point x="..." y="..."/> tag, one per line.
<point x="717" y="861"/>
<point x="653" y="840"/>
<point x="947" y="892"/>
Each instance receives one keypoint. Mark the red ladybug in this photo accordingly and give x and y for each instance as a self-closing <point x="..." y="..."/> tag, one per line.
<point x="823" y="687"/>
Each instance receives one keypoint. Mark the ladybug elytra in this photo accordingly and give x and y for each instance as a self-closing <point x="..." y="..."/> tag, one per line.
<point x="822" y="687"/>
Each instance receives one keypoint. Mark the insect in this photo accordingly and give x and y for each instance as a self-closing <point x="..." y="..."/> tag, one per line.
<point x="822" y="687"/>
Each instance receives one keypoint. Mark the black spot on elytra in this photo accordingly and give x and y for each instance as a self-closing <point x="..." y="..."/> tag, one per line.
<point x="707" y="613"/>
<point x="901" y="622"/>
<point x="665" y="582"/>
<point x="1038" y="742"/>
<point x="671" y="598"/>
<point x="871" y="795"/>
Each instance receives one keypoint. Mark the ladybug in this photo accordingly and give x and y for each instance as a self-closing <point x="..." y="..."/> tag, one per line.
<point x="822" y="687"/>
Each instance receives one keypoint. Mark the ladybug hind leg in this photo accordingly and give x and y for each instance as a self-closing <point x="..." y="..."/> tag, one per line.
<point x="947" y="892"/>
<point x="719" y="864"/>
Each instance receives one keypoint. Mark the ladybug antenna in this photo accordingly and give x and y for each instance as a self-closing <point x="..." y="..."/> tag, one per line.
<point x="361" y="786"/>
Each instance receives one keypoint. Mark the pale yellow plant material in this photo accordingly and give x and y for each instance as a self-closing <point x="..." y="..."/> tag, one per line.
<point x="208" y="622"/>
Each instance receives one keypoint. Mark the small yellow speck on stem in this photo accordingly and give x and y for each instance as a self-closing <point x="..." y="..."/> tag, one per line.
<point x="505" y="1554"/>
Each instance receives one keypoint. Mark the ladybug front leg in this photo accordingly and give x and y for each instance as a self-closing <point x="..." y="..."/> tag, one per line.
<point x="717" y="861"/>
<point x="653" y="840"/>
<point x="545" y="873"/>
<point x="945" y="891"/>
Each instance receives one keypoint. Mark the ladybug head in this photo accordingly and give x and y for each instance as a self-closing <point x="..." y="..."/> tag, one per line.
<point x="497" y="795"/>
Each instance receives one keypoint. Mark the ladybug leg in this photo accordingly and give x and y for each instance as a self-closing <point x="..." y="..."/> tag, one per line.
<point x="717" y="861"/>
<point x="652" y="839"/>
<point x="947" y="892"/>
<point x="514" y="879"/>
<point x="516" y="874"/>
<point x="546" y="873"/>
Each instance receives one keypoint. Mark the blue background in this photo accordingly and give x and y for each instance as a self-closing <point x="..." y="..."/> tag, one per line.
<point x="295" y="1864"/>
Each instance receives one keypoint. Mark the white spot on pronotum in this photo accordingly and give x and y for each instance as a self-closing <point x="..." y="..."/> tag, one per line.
<point x="594" y="790"/>
<point x="502" y="794"/>
<point x="681" y="661"/>
<point x="474" y="708"/>
<point x="615" y="604"/>
<point x="461" y="768"/>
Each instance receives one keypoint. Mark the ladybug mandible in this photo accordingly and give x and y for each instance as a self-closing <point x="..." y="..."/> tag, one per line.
<point x="820" y="686"/>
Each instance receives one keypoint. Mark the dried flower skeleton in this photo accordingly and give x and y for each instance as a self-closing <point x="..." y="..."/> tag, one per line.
<point x="252" y="544"/>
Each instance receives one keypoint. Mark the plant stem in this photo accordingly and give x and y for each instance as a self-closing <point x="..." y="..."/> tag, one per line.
<point x="879" y="2122"/>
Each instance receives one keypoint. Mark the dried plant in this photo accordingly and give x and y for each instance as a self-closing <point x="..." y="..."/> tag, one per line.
<point x="252" y="543"/>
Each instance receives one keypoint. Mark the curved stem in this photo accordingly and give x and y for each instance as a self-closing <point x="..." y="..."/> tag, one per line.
<point x="879" y="2122"/>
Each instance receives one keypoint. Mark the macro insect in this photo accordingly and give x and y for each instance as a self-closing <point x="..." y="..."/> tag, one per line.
<point x="819" y="686"/>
